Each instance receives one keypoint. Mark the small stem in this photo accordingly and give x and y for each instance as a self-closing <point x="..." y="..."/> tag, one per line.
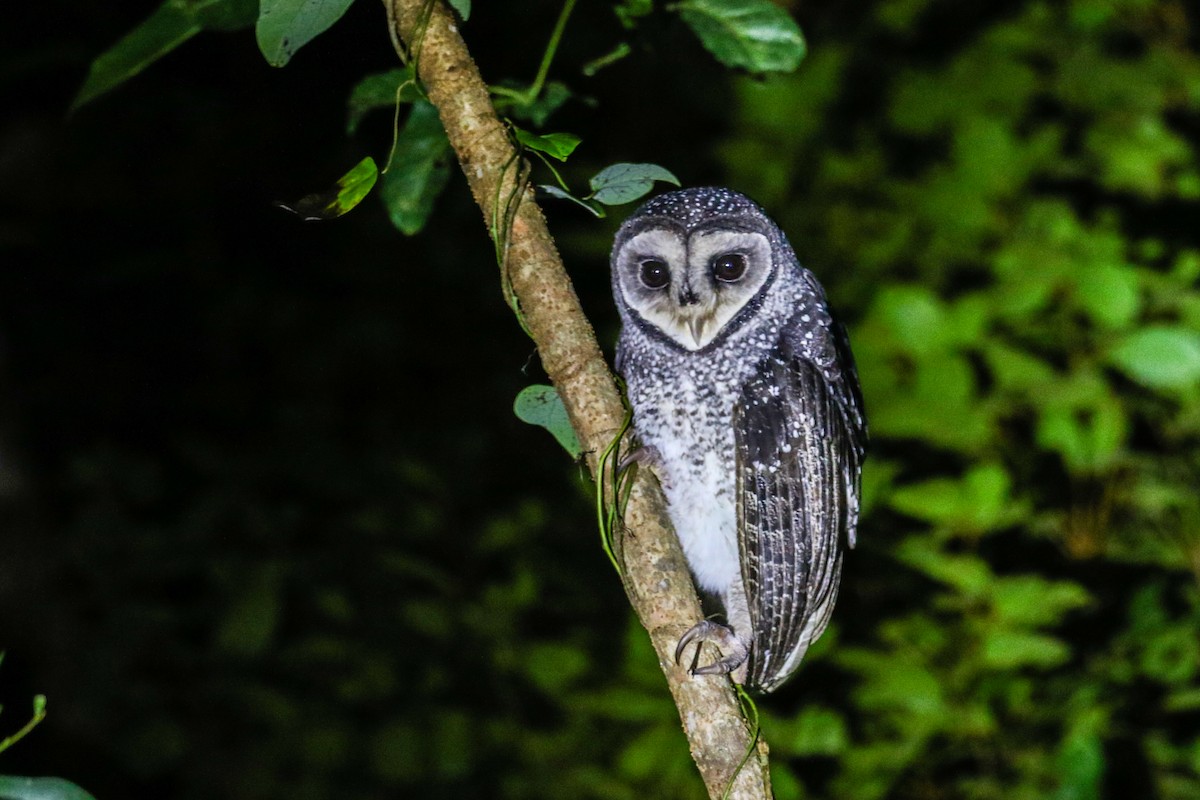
<point x="39" y="714"/>
<point x="551" y="49"/>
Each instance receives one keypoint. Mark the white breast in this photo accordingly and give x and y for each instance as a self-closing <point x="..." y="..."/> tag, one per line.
<point x="695" y="441"/>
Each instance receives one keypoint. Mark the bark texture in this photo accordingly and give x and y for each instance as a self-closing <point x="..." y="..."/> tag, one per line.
<point x="656" y="575"/>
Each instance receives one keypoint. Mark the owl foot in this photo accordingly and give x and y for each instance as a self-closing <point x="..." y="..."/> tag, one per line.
<point x="725" y="639"/>
<point x="647" y="455"/>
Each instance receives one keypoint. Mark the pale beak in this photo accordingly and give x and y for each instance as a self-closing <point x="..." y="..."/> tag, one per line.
<point x="697" y="325"/>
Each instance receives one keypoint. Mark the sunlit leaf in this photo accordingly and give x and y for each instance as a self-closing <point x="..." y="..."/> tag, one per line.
<point x="541" y="405"/>
<point x="1030" y="600"/>
<point x="754" y="35"/>
<point x="284" y="26"/>
<point x="164" y="30"/>
<point x="1160" y="357"/>
<point x="624" y="183"/>
<point x="463" y="7"/>
<point x="1009" y="649"/>
<point x="557" y="145"/>
<point x="14" y="788"/>
<point x="418" y="171"/>
<point x="344" y="195"/>
<point x="1110" y="294"/>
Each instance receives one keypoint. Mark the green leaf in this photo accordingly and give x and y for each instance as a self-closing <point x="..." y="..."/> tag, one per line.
<point x="552" y="97"/>
<point x="381" y="90"/>
<point x="553" y="667"/>
<point x="1008" y="649"/>
<point x="1160" y="357"/>
<point x="463" y="7"/>
<point x="1080" y="764"/>
<point x="624" y="183"/>
<point x="14" y="788"/>
<point x="164" y="30"/>
<point x="820" y="731"/>
<point x="541" y="405"/>
<point x="418" y="172"/>
<point x="1030" y="600"/>
<point x="558" y="145"/>
<point x="344" y="195"/>
<point x="629" y="11"/>
<point x="755" y="35"/>
<point x="284" y="26"/>
<point x="223" y="15"/>
<point x="969" y="574"/>
<point x="1110" y="294"/>
<point x="562" y="194"/>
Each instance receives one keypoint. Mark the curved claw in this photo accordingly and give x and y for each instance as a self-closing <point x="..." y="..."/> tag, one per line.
<point x="724" y="638"/>
<point x="647" y="455"/>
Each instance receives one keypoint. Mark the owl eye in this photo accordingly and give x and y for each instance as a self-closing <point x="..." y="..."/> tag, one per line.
<point x="655" y="274"/>
<point x="729" y="267"/>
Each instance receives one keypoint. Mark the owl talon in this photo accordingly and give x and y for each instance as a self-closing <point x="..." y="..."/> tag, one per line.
<point x="724" y="638"/>
<point x="647" y="455"/>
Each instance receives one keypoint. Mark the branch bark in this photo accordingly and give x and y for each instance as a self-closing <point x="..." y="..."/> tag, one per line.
<point x="656" y="576"/>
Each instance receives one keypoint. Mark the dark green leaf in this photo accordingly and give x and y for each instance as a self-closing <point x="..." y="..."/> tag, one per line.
<point x="223" y="15"/>
<point x="463" y="7"/>
<point x="755" y="35"/>
<point x="558" y="145"/>
<point x="167" y="28"/>
<point x="284" y="26"/>
<point x="629" y="11"/>
<point x="344" y="195"/>
<point x="541" y="405"/>
<point x="553" y="95"/>
<point x="14" y="788"/>
<point x="380" y="90"/>
<point x="624" y="183"/>
<point x="1080" y="766"/>
<point x="820" y="731"/>
<point x="418" y="171"/>
<point x="1160" y="357"/>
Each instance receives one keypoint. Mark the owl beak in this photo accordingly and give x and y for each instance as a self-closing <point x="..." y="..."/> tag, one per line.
<point x="697" y="325"/>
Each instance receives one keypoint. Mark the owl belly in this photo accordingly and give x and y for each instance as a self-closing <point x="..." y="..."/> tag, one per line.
<point x="695" y="446"/>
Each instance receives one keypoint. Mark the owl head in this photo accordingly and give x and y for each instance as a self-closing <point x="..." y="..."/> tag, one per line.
<point x="687" y="263"/>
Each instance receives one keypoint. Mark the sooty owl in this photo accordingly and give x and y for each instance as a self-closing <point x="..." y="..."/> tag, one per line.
<point x="747" y="405"/>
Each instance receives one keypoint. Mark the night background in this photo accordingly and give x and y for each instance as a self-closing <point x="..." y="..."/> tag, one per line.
<point x="270" y="526"/>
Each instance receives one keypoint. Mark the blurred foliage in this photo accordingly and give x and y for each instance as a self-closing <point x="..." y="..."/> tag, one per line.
<point x="277" y="534"/>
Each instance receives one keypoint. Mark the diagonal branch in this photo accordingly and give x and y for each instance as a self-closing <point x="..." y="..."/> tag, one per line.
<point x="656" y="576"/>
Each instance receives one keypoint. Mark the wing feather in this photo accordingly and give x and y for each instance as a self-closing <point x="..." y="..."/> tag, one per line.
<point x="800" y="436"/>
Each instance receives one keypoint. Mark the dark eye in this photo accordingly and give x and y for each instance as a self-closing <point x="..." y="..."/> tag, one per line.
<point x="655" y="274"/>
<point x="729" y="267"/>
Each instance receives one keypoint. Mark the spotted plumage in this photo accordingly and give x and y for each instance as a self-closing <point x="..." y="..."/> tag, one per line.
<point x="745" y="394"/>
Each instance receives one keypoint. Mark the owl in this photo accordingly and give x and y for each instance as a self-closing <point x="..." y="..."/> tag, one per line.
<point x="747" y="406"/>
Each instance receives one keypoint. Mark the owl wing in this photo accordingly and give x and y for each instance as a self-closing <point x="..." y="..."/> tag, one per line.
<point x="800" y="437"/>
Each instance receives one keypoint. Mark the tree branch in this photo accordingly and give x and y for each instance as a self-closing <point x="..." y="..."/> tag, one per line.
<point x="656" y="575"/>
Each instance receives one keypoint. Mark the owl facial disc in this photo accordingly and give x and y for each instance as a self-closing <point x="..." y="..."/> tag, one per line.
<point x="690" y="285"/>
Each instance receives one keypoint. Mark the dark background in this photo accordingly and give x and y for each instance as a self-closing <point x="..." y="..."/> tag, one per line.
<point x="270" y="528"/>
